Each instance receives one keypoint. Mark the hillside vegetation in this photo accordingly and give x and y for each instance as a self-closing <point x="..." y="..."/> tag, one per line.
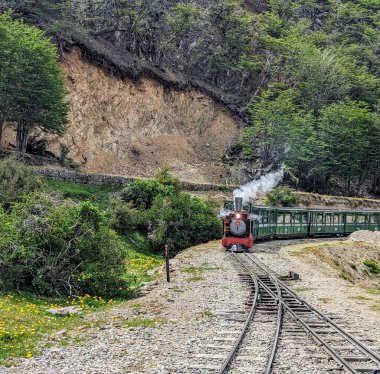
<point x="63" y="244"/>
<point x="304" y="74"/>
<point x="54" y="246"/>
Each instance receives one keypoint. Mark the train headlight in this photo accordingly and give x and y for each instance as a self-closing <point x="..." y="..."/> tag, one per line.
<point x="238" y="216"/>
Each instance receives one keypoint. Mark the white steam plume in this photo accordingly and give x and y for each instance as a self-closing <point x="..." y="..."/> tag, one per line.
<point x="265" y="184"/>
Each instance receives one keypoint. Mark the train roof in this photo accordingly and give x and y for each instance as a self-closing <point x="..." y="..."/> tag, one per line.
<point x="297" y="209"/>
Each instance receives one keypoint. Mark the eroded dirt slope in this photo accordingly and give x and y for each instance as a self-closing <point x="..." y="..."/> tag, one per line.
<point x="134" y="128"/>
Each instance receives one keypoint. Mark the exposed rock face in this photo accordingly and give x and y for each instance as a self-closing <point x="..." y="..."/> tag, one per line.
<point x="128" y="128"/>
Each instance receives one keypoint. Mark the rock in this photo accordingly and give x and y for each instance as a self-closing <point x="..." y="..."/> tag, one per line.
<point x="372" y="237"/>
<point x="61" y="332"/>
<point x="66" y="311"/>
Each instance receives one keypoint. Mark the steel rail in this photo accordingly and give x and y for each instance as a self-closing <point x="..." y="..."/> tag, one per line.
<point x="360" y="346"/>
<point x="277" y="298"/>
<point x="280" y="314"/>
<point x="335" y="355"/>
<point x="235" y="347"/>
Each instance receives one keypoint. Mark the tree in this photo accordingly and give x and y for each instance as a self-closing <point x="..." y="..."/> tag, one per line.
<point x="32" y="83"/>
<point x="349" y="130"/>
<point x="6" y="58"/>
<point x="273" y="116"/>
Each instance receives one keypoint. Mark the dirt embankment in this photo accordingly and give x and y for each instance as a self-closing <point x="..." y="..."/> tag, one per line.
<point x="133" y="128"/>
<point x="356" y="260"/>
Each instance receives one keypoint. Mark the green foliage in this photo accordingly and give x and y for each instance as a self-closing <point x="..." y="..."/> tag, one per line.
<point x="319" y="116"/>
<point x="79" y="192"/>
<point x="164" y="177"/>
<point x="124" y="217"/>
<point x="182" y="19"/>
<point x="164" y="214"/>
<point x="60" y="249"/>
<point x="141" y="193"/>
<point x="31" y="85"/>
<point x="281" y="196"/>
<point x="372" y="265"/>
<point x="180" y="221"/>
<point x="16" y="180"/>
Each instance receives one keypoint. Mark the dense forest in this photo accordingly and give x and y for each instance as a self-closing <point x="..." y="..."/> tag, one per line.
<point x="304" y="74"/>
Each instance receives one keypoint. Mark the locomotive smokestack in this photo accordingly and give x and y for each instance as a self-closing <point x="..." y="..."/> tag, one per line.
<point x="238" y="204"/>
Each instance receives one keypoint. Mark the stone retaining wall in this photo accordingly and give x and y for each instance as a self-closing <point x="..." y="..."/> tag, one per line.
<point x="117" y="180"/>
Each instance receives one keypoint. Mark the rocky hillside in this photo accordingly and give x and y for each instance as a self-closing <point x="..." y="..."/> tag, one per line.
<point x="134" y="128"/>
<point x="304" y="77"/>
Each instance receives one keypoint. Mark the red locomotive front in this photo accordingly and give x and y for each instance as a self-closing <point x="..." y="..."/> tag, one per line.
<point x="237" y="234"/>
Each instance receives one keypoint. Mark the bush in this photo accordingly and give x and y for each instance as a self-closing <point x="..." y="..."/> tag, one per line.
<point x="60" y="249"/>
<point x="164" y="177"/>
<point x="281" y="196"/>
<point x="372" y="265"/>
<point x="141" y="193"/>
<point x="16" y="179"/>
<point x="180" y="221"/>
<point x="124" y="217"/>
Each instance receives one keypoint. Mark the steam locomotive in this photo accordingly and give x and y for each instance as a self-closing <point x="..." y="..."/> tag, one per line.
<point x="237" y="227"/>
<point x="243" y="223"/>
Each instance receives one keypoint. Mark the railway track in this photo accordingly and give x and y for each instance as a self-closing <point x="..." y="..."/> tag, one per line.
<point x="277" y="316"/>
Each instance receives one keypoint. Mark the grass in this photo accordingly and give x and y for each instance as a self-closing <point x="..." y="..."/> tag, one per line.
<point x="372" y="266"/>
<point x="359" y="297"/>
<point x="142" y="322"/>
<point x="198" y="271"/>
<point x="192" y="270"/>
<point x="140" y="262"/>
<point x="137" y="306"/>
<point x="375" y="307"/>
<point x="26" y="324"/>
<point x="177" y="289"/>
<point x="80" y="192"/>
<point x="195" y="279"/>
<point x="373" y="291"/>
<point x="25" y="320"/>
<point x="344" y="274"/>
<point x="207" y="313"/>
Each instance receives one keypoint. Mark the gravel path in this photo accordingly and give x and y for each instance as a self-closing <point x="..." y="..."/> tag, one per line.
<point x="197" y="317"/>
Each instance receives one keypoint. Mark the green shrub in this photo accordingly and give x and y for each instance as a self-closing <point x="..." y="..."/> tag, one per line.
<point x="164" y="177"/>
<point x="180" y="221"/>
<point x="58" y="249"/>
<point x="372" y="265"/>
<point x="141" y="193"/>
<point x="281" y="196"/>
<point x="124" y="217"/>
<point x="16" y="179"/>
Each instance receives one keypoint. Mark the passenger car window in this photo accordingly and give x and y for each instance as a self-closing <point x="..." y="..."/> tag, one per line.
<point x="361" y="218"/>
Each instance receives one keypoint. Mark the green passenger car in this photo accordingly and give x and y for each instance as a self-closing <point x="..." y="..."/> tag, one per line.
<point x="299" y="222"/>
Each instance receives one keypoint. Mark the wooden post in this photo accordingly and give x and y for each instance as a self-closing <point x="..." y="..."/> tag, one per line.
<point x="167" y="263"/>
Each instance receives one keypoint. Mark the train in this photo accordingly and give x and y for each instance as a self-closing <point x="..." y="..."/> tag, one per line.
<point x="243" y="223"/>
